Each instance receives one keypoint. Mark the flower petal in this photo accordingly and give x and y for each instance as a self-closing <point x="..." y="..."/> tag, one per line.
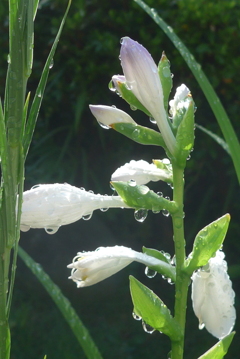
<point x="142" y="78"/>
<point x="89" y="268"/>
<point x="108" y="115"/>
<point x="142" y="172"/>
<point x="213" y="297"/>
<point x="50" y="206"/>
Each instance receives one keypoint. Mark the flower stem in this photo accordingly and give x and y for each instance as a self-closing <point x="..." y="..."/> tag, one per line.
<point x="181" y="279"/>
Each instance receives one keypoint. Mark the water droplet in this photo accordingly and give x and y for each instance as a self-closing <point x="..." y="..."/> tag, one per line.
<point x="141" y="214"/>
<point x="51" y="64"/>
<point x="160" y="194"/>
<point x="39" y="95"/>
<point x="135" y="133"/>
<point x="166" y="72"/>
<point x="147" y="328"/>
<point x="87" y="217"/>
<point x="106" y="127"/>
<point x="201" y="326"/>
<point x="150" y="273"/>
<point x="8" y="59"/>
<point x="165" y="213"/>
<point x="35" y="186"/>
<point x="104" y="209"/>
<point x="51" y="230"/>
<point x="151" y="119"/>
<point x="82" y="189"/>
<point x="215" y="225"/>
<point x="135" y="316"/>
<point x="132" y="183"/>
<point x="121" y="40"/>
<point x="133" y="108"/>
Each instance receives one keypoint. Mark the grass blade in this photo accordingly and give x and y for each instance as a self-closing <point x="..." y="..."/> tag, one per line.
<point x="64" y="306"/>
<point x="37" y="101"/>
<point x="211" y="96"/>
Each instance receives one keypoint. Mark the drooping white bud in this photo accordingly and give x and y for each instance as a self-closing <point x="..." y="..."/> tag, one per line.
<point x="89" y="268"/>
<point x="141" y="172"/>
<point x="142" y="78"/>
<point x="108" y="115"/>
<point x="50" y="206"/>
<point x="213" y="297"/>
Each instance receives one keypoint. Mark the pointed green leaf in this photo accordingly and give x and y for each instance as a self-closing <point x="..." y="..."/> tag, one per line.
<point x="157" y="254"/>
<point x="139" y="134"/>
<point x="166" y="78"/>
<point x="140" y="197"/>
<point x="219" y="350"/>
<point x="206" y="243"/>
<point x="129" y="97"/>
<point x="168" y="271"/>
<point x="152" y="310"/>
<point x="185" y="135"/>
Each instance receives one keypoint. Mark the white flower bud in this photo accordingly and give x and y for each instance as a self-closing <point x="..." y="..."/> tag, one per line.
<point x="108" y="115"/>
<point x="142" y="78"/>
<point x="141" y="172"/>
<point x="178" y="101"/>
<point x="89" y="268"/>
<point x="50" y="206"/>
<point x="213" y="297"/>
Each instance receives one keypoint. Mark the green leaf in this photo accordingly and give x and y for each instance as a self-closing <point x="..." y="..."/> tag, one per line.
<point x="168" y="271"/>
<point x="211" y="96"/>
<point x="185" y="135"/>
<point x="219" y="350"/>
<point x="32" y="118"/>
<point x="129" y="97"/>
<point x="139" y="134"/>
<point x="165" y="78"/>
<point x="64" y="306"/>
<point x="216" y="138"/>
<point x="206" y="243"/>
<point x="157" y="254"/>
<point x="141" y="197"/>
<point x="152" y="310"/>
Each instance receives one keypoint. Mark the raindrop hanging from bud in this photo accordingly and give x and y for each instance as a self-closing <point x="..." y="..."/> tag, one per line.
<point x="141" y="214"/>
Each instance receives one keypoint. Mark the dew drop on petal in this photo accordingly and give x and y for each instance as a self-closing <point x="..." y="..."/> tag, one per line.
<point x="201" y="326"/>
<point x="51" y="230"/>
<point x="104" y="209"/>
<point x="106" y="127"/>
<point x="151" y="119"/>
<point x="135" y="316"/>
<point x="147" y="328"/>
<point x="160" y="194"/>
<point x="150" y="273"/>
<point x="132" y="183"/>
<point x="141" y="214"/>
<point x="87" y="217"/>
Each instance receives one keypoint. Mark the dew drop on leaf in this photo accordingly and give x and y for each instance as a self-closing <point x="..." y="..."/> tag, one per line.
<point x="140" y="214"/>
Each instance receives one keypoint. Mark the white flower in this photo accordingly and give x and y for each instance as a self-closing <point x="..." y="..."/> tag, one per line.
<point x="141" y="172"/>
<point x="178" y="101"/>
<point x="213" y="297"/>
<point x="108" y="115"/>
<point x="50" y="206"/>
<point x="92" y="267"/>
<point x="142" y="78"/>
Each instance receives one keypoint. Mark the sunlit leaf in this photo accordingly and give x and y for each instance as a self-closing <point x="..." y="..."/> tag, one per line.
<point x="152" y="310"/>
<point x="219" y="350"/>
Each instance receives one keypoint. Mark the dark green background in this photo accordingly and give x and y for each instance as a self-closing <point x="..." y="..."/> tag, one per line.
<point x="69" y="146"/>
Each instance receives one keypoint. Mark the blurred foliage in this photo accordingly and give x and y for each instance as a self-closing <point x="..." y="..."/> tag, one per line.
<point x="69" y="146"/>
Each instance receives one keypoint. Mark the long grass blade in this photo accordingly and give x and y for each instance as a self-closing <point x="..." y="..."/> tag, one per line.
<point x="64" y="306"/>
<point x="211" y="96"/>
<point x="37" y="101"/>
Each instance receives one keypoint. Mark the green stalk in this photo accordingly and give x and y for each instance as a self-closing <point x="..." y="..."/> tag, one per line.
<point x="182" y="280"/>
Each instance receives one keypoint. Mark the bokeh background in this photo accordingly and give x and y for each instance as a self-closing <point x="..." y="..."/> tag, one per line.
<point x="69" y="146"/>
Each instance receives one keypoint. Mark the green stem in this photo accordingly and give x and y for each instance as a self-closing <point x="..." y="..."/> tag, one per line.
<point x="181" y="279"/>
